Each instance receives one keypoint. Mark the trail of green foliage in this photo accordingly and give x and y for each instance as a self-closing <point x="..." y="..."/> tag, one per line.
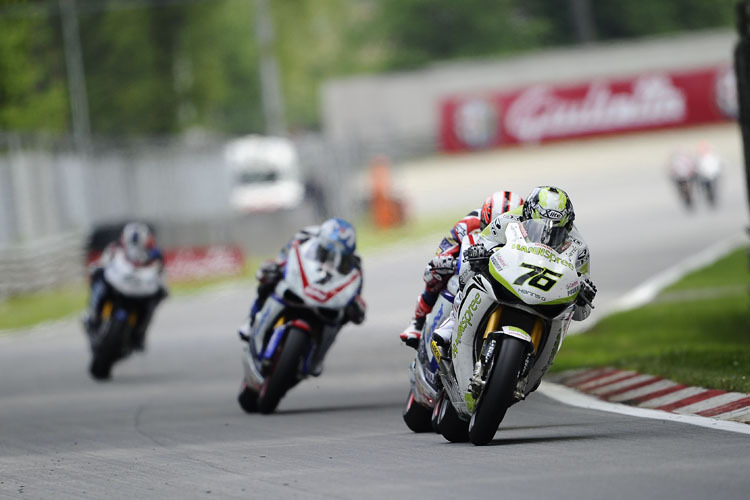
<point x="163" y="68"/>
<point x="696" y="332"/>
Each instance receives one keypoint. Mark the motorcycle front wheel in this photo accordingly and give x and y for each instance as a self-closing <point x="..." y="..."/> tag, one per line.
<point x="108" y="349"/>
<point x="247" y="398"/>
<point x="284" y="374"/>
<point x="497" y="395"/>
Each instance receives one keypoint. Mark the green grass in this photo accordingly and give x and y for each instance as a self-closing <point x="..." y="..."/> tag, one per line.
<point x="26" y="310"/>
<point x="30" y="309"/>
<point x="696" y="332"/>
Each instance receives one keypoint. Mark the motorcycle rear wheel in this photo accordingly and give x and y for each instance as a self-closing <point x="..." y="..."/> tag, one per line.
<point x="449" y="424"/>
<point x="498" y="392"/>
<point x="284" y="374"/>
<point x="416" y="416"/>
<point x="108" y="350"/>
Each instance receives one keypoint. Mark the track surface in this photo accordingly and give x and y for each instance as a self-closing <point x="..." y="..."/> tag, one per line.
<point x="168" y="425"/>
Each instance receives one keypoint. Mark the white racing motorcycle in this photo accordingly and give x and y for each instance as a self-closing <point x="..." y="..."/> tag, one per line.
<point x="296" y="325"/>
<point x="125" y="307"/>
<point x="512" y="318"/>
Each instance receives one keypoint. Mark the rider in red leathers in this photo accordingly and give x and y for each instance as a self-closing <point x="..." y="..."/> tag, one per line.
<point x="443" y="265"/>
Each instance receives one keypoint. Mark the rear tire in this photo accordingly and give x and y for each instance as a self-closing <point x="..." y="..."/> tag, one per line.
<point x="498" y="393"/>
<point x="449" y="424"/>
<point x="416" y="416"/>
<point x="284" y="374"/>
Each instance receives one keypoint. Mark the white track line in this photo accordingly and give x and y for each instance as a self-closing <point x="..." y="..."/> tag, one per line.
<point x="572" y="397"/>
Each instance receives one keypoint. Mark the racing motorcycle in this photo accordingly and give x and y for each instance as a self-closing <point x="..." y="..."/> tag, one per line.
<point x="513" y="315"/>
<point x="126" y="308"/>
<point x="423" y="371"/>
<point x="297" y="324"/>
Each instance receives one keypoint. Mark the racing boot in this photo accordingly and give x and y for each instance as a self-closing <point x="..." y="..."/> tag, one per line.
<point x="443" y="334"/>
<point x="413" y="332"/>
<point x="441" y="338"/>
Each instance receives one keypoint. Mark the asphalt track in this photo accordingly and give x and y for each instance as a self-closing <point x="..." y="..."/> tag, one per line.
<point x="168" y="425"/>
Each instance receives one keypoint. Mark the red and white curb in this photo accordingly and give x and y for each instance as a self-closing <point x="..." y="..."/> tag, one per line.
<point x="655" y="393"/>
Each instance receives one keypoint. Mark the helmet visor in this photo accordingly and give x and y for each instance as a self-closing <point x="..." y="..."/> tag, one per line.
<point x="545" y="232"/>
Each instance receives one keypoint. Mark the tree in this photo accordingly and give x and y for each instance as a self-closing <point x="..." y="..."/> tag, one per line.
<point x="32" y="75"/>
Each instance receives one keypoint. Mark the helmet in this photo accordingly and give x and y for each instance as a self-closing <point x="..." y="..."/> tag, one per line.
<point x="553" y="205"/>
<point x="137" y="240"/>
<point x="336" y="243"/>
<point x="497" y="203"/>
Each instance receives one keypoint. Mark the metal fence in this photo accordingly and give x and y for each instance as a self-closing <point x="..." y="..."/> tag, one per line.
<point x="50" y="198"/>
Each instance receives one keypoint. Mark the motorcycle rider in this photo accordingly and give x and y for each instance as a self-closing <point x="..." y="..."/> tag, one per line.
<point x="138" y="245"/>
<point x="681" y="167"/>
<point x="333" y="235"/>
<point x="442" y="266"/>
<point x="708" y="168"/>
<point x="543" y="202"/>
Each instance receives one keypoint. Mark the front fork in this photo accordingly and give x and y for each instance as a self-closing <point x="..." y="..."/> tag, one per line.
<point x="493" y="335"/>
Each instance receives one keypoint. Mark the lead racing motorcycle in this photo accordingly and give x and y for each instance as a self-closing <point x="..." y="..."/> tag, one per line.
<point x="296" y="325"/>
<point x="512" y="318"/>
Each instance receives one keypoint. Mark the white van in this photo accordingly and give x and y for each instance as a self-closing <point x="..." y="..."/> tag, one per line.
<point x="264" y="174"/>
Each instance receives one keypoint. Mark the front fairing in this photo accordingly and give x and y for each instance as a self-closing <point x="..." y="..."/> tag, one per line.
<point x="532" y="273"/>
<point x="131" y="280"/>
<point x="319" y="284"/>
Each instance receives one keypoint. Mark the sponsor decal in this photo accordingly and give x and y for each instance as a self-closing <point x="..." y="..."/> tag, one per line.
<point x="550" y="255"/>
<point x="437" y="318"/>
<point x="498" y="261"/>
<point x="435" y="351"/>
<point x="476" y="122"/>
<point x="466" y="321"/>
<point x="203" y="262"/>
<point x="541" y="113"/>
<point x="530" y="293"/>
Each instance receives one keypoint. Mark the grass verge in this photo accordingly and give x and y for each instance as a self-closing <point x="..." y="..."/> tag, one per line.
<point x="696" y="332"/>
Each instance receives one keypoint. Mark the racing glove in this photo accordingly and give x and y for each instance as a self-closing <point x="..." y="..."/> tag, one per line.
<point x="586" y="293"/>
<point x="269" y="272"/>
<point x="443" y="264"/>
<point x="438" y="272"/>
<point x="355" y="310"/>
<point x="477" y="256"/>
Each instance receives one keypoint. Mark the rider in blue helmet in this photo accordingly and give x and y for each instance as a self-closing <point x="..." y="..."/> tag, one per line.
<point x="337" y="243"/>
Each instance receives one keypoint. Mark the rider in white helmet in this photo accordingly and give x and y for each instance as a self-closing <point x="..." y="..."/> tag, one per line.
<point x="543" y="202"/>
<point x="443" y="265"/>
<point x="138" y="245"/>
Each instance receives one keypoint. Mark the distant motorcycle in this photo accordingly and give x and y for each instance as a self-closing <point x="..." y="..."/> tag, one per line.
<point x="125" y="308"/>
<point x="512" y="319"/>
<point x="296" y="325"/>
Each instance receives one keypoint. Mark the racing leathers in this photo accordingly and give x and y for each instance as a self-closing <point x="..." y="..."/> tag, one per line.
<point x="438" y="272"/>
<point x="271" y="271"/>
<point x="100" y="289"/>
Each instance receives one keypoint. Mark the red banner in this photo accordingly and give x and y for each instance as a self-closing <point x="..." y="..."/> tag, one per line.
<point x="542" y="113"/>
<point x="203" y="262"/>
